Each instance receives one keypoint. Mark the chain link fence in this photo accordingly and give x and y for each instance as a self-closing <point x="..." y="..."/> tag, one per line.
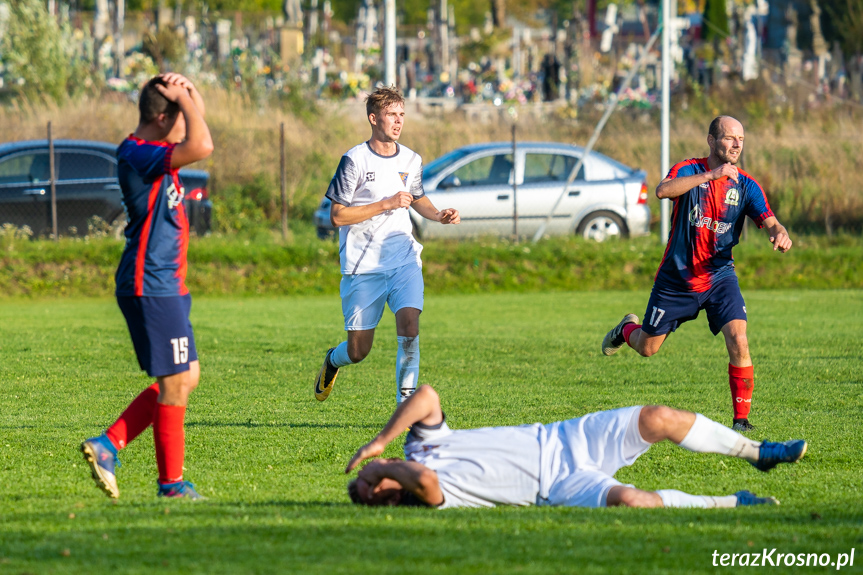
<point x="52" y="187"/>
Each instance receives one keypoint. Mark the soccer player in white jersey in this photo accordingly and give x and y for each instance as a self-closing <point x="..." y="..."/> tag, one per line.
<point x="371" y="191"/>
<point x="569" y="463"/>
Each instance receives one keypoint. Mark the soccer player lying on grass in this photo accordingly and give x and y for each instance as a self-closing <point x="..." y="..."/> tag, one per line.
<point x="569" y="463"/>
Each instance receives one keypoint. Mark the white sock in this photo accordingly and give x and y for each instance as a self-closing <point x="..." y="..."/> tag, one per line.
<point x="707" y="436"/>
<point x="340" y="357"/>
<point x="407" y="367"/>
<point x="675" y="498"/>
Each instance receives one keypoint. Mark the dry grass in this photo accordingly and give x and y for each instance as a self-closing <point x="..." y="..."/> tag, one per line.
<point x="807" y="166"/>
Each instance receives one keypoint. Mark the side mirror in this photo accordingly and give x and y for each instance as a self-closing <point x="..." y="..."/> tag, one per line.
<point x="450" y="181"/>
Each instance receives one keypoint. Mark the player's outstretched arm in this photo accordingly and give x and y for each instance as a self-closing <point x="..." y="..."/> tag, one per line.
<point x="421" y="407"/>
<point x="413" y="476"/>
<point x="426" y="209"/>
<point x="778" y="235"/>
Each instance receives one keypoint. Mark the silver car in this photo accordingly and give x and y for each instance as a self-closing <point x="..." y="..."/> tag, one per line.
<point x="605" y="199"/>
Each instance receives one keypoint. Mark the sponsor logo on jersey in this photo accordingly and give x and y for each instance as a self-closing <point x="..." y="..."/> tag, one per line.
<point x="404" y="177"/>
<point x="705" y="185"/>
<point x="370" y="176"/>
<point x="699" y="220"/>
<point x="732" y="197"/>
<point x="174" y="196"/>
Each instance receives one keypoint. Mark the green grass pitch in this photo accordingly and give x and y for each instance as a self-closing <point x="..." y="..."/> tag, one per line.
<point x="270" y="458"/>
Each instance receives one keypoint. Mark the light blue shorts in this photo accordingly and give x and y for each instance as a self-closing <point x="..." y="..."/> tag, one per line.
<point x="364" y="295"/>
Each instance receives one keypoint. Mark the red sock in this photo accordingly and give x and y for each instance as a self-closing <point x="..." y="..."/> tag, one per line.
<point x="170" y="437"/>
<point x="742" y="382"/>
<point x="137" y="417"/>
<point x="627" y="331"/>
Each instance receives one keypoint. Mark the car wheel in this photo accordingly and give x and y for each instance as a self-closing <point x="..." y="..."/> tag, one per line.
<point x="599" y="226"/>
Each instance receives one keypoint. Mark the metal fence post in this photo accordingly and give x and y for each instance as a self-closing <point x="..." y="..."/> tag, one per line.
<point x="284" y="181"/>
<point x="53" y="184"/>
<point x="514" y="190"/>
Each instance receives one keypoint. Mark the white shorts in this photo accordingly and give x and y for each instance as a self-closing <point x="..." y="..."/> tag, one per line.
<point x="364" y="295"/>
<point x="585" y="453"/>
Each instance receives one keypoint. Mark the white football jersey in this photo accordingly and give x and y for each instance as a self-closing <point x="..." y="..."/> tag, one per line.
<point x="480" y="467"/>
<point x="385" y="241"/>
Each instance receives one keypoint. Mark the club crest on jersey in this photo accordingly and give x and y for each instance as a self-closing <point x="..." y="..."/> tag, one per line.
<point x="732" y="197"/>
<point x="370" y="176"/>
<point x="699" y="220"/>
<point x="175" y="196"/>
<point x="404" y="177"/>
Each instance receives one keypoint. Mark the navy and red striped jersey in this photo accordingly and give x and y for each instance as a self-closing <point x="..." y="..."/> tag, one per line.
<point x="157" y="235"/>
<point x="706" y="223"/>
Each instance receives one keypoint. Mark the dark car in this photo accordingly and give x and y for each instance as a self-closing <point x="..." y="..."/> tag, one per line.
<point x="86" y="187"/>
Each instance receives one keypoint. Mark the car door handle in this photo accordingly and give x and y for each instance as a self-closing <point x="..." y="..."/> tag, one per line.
<point x="503" y="197"/>
<point x="112" y="187"/>
<point x="35" y="192"/>
<point x="575" y="193"/>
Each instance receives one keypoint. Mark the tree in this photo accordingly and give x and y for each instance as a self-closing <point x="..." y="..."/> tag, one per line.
<point x="715" y="17"/>
<point x="39" y="57"/>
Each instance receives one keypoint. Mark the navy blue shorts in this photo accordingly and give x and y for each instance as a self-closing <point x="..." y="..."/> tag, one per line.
<point x="669" y="307"/>
<point x="161" y="332"/>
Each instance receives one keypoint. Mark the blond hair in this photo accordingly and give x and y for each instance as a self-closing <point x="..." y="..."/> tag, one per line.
<point x="382" y="98"/>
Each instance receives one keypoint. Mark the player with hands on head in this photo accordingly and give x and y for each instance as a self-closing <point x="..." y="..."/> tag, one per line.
<point x="566" y="463"/>
<point x="151" y="290"/>
<point x="712" y="198"/>
<point x="373" y="187"/>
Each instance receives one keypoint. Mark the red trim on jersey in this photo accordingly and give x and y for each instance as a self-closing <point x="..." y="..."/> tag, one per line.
<point x="759" y="221"/>
<point x="141" y="142"/>
<point x="141" y="256"/>
<point x="182" y="262"/>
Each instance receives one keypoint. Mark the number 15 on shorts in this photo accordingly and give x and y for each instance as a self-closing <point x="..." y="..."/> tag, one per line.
<point x="655" y="317"/>
<point x="181" y="349"/>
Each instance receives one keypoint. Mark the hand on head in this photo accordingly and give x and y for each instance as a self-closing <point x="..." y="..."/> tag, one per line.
<point x="172" y="92"/>
<point x="178" y="79"/>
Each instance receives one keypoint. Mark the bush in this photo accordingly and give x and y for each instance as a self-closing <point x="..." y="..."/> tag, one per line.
<point x="39" y="56"/>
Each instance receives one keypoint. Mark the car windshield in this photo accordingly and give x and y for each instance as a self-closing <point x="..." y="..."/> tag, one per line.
<point x="436" y="166"/>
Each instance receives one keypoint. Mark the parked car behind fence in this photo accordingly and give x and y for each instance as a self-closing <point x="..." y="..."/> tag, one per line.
<point x="86" y="188"/>
<point x="482" y="181"/>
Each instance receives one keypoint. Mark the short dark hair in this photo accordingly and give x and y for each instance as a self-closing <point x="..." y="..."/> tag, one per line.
<point x="152" y="102"/>
<point x="354" y="492"/>
<point x="382" y="98"/>
<point x="714" y="130"/>
<point x="407" y="499"/>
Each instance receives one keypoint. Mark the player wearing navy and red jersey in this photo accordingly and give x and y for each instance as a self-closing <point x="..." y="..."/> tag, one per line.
<point x="151" y="289"/>
<point x="711" y="199"/>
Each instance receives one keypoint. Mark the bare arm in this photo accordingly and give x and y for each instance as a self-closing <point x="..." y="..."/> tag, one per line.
<point x="674" y="187"/>
<point x="421" y="407"/>
<point x="198" y="143"/>
<point x="346" y="215"/>
<point x="413" y="476"/>
<point x="778" y="235"/>
<point x="426" y="209"/>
